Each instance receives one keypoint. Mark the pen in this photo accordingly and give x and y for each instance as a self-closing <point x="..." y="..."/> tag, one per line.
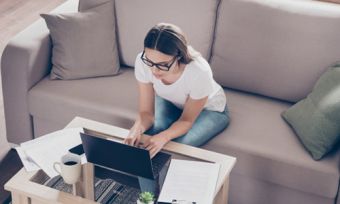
<point x="174" y="201"/>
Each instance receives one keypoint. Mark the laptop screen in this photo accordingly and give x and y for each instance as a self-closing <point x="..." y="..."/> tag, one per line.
<point x="117" y="156"/>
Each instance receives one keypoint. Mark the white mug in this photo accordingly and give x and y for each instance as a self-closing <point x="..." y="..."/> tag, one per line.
<point x="70" y="168"/>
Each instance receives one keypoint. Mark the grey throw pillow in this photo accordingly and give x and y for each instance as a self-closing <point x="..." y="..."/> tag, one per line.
<point x="84" y="43"/>
<point x="316" y="119"/>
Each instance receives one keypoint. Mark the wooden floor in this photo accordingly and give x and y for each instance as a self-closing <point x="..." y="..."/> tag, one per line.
<point x="9" y="165"/>
<point x="15" y="15"/>
<point x="18" y="14"/>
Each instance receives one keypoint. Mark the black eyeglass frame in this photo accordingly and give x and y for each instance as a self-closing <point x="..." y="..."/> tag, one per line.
<point x="163" y="67"/>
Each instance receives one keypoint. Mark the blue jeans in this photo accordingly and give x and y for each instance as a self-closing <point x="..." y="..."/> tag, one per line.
<point x="207" y="125"/>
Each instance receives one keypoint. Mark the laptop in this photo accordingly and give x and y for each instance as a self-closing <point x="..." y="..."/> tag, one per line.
<point x="124" y="158"/>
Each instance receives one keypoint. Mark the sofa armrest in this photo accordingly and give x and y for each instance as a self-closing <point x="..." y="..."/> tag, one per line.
<point x="25" y="61"/>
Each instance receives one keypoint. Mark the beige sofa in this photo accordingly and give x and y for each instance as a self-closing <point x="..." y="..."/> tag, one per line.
<point x="266" y="53"/>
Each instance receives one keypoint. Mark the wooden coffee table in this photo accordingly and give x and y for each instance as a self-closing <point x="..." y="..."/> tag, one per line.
<point x="24" y="190"/>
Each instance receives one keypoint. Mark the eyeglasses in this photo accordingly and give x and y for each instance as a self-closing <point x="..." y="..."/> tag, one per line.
<point x="164" y="66"/>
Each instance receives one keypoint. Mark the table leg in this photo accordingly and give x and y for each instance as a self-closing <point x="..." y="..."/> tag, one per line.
<point x="19" y="199"/>
<point x="85" y="187"/>
<point x="222" y="195"/>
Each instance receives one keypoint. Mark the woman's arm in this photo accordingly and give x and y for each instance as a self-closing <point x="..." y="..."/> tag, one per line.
<point x="145" y="117"/>
<point x="192" y="109"/>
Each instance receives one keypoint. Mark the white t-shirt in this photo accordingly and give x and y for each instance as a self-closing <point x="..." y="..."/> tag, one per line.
<point x="196" y="82"/>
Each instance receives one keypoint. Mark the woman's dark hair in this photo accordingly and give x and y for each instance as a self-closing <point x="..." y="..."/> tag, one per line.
<point x="168" y="39"/>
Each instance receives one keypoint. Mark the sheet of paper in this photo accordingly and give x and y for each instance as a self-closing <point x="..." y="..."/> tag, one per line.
<point x="191" y="181"/>
<point x="26" y="161"/>
<point x="44" y="152"/>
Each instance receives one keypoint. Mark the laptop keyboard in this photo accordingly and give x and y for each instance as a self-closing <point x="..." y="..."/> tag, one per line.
<point x="158" y="162"/>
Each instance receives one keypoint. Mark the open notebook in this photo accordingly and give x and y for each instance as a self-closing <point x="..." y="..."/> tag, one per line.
<point x="192" y="181"/>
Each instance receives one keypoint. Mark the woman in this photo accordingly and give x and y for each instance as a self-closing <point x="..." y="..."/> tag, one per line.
<point x="178" y="98"/>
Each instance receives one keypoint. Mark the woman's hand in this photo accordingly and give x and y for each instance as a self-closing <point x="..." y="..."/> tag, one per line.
<point x="134" y="136"/>
<point x="155" y="143"/>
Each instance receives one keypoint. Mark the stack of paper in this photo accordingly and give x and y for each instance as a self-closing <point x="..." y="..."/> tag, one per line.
<point x="190" y="181"/>
<point x="43" y="151"/>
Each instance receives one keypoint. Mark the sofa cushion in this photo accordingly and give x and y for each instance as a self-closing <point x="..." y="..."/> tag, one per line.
<point x="88" y="4"/>
<point x="316" y="119"/>
<point x="135" y="18"/>
<point x="101" y="99"/>
<point x="267" y="149"/>
<point x="275" y="48"/>
<point x="78" y="52"/>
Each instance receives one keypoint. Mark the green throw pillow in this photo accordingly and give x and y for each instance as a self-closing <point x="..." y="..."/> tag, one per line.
<point x="316" y="119"/>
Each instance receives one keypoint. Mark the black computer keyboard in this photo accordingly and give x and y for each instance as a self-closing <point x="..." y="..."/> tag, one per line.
<point x="159" y="161"/>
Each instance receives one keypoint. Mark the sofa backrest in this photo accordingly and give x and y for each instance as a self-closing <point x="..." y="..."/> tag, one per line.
<point x="135" y="17"/>
<point x="275" y="48"/>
